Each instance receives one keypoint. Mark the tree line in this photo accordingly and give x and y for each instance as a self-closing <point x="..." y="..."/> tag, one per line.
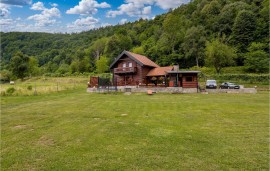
<point x="214" y="33"/>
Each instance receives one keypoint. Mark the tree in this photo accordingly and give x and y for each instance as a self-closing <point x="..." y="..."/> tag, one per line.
<point x="138" y="50"/>
<point x="5" y="75"/>
<point x="63" y="68"/>
<point x="228" y="15"/>
<point x="50" y="67"/>
<point x="257" y="60"/>
<point x="173" y="27"/>
<point x="219" y="55"/>
<point x="33" y="69"/>
<point x="98" y="47"/>
<point x="194" y="44"/>
<point x="243" y="29"/>
<point x="102" y="64"/>
<point x="19" y="65"/>
<point x="74" y="66"/>
<point x="116" y="44"/>
<point x="262" y="32"/>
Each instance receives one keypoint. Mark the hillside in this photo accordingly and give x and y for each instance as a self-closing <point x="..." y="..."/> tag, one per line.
<point x="178" y="37"/>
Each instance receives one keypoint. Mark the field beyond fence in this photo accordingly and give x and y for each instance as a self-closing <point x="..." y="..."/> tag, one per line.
<point x="44" y="85"/>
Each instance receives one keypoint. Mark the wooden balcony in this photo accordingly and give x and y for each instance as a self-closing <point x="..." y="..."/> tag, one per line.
<point x="125" y="70"/>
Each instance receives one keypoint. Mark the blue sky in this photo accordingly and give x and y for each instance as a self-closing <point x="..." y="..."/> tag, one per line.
<point x="69" y="16"/>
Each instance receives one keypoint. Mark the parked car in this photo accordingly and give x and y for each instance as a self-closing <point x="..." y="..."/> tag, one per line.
<point x="228" y="85"/>
<point x="211" y="84"/>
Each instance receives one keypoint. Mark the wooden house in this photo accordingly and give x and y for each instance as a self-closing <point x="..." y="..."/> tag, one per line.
<point x="130" y="69"/>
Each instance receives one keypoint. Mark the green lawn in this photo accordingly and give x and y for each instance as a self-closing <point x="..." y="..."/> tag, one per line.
<point x="75" y="130"/>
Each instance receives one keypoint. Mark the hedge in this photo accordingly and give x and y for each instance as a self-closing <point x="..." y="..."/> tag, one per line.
<point x="250" y="78"/>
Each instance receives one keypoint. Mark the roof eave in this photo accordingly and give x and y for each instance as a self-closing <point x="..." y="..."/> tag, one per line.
<point x="118" y="57"/>
<point x="129" y="55"/>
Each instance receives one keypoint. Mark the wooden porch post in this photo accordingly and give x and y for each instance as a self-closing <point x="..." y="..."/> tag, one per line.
<point x="177" y="79"/>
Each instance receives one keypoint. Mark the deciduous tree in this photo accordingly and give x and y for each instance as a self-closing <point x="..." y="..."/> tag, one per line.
<point x="102" y="64"/>
<point x="219" y="55"/>
<point x="194" y="44"/>
<point x="243" y="29"/>
<point x="257" y="60"/>
<point x="19" y="65"/>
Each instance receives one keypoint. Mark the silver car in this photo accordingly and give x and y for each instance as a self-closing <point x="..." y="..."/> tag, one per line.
<point x="211" y="84"/>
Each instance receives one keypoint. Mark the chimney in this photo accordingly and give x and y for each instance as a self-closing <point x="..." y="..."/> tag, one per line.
<point x="176" y="67"/>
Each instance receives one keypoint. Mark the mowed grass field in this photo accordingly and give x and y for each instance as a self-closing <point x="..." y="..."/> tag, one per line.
<point x="75" y="130"/>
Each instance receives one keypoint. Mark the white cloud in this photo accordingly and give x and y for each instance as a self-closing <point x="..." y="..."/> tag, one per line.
<point x="6" y="22"/>
<point x="39" y="6"/>
<point x="4" y="10"/>
<point x="140" y="2"/>
<point x="87" y="7"/>
<point x="17" y="2"/>
<point x="123" y="21"/>
<point x="53" y="4"/>
<point x="147" y="10"/>
<point x="170" y="3"/>
<point x="86" y="21"/>
<point x="132" y="8"/>
<point x="83" y="24"/>
<point x="141" y="8"/>
<point x="47" y="16"/>
<point x="53" y="12"/>
<point x="20" y="25"/>
<point x="113" y="14"/>
<point x="105" y="24"/>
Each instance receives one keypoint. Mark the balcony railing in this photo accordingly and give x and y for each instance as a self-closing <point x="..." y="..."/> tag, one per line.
<point x="125" y="70"/>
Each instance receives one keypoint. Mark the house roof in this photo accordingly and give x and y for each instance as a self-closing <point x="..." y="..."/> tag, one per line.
<point x="143" y="59"/>
<point x="140" y="59"/>
<point x="159" y="71"/>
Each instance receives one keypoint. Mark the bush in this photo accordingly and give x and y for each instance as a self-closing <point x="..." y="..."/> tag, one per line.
<point x="250" y="78"/>
<point x="29" y="87"/>
<point x="3" y="93"/>
<point x="5" y="76"/>
<point x="225" y="70"/>
<point x="10" y="90"/>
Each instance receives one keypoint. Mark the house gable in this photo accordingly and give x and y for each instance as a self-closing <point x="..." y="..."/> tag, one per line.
<point x="140" y="59"/>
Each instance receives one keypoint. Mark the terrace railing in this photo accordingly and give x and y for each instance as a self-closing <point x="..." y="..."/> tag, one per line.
<point x="125" y="70"/>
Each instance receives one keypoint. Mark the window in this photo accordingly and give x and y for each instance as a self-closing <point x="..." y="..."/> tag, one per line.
<point x="124" y="65"/>
<point x="130" y="64"/>
<point x="188" y="79"/>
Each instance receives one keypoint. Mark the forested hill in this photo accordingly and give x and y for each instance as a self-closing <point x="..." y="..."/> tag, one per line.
<point x="186" y="36"/>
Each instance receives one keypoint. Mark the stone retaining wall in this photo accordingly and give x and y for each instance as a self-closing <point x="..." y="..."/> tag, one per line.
<point x="241" y="90"/>
<point x="173" y="90"/>
<point x="144" y="89"/>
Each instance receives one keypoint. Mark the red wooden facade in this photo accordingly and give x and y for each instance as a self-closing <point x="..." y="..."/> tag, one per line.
<point x="185" y="79"/>
<point x="93" y="82"/>
<point x="133" y="70"/>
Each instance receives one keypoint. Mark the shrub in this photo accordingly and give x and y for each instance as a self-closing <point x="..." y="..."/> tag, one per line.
<point x="3" y="93"/>
<point x="251" y="78"/>
<point x="10" y="90"/>
<point x="29" y="87"/>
